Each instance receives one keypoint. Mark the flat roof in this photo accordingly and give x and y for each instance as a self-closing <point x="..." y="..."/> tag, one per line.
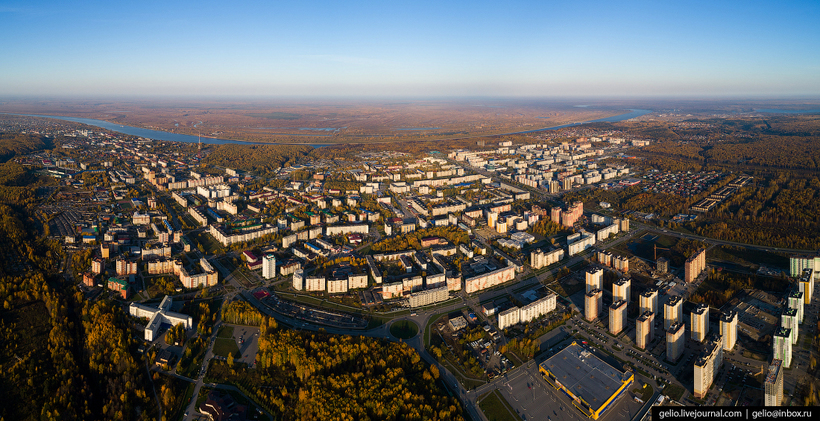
<point x="774" y="368"/>
<point x="585" y="375"/>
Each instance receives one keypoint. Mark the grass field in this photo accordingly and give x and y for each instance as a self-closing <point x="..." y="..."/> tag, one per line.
<point x="749" y="258"/>
<point x="674" y="391"/>
<point x="209" y="244"/>
<point x="496" y="408"/>
<point x="224" y="347"/>
<point x="404" y="329"/>
<point x="644" y="393"/>
<point x="225" y="332"/>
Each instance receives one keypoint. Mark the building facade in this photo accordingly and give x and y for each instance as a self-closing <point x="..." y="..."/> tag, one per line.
<point x="592" y="304"/>
<point x="672" y="311"/>
<point x="594" y="279"/>
<point x="675" y="340"/>
<point x="269" y="266"/>
<point x="649" y="301"/>
<point x="774" y="383"/>
<point x="782" y="346"/>
<point x="644" y="329"/>
<point x="617" y="317"/>
<point x="622" y="290"/>
<point x="699" y="322"/>
<point x="707" y="366"/>
<point x="728" y="329"/>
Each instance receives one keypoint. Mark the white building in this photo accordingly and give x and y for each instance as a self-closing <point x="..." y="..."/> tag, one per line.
<point x="269" y="266"/>
<point x="158" y="316"/>
<point x="299" y="279"/>
<point x="782" y="346"/>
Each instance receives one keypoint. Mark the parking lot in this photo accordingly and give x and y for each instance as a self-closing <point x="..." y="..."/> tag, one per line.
<point x="535" y="399"/>
<point x="247" y="338"/>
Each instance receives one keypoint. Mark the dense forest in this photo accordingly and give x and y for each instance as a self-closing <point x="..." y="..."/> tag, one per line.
<point x="260" y="158"/>
<point x="63" y="357"/>
<point x="780" y="211"/>
<point x="412" y="239"/>
<point x="12" y="144"/>
<point x="776" y="142"/>
<point x="320" y="376"/>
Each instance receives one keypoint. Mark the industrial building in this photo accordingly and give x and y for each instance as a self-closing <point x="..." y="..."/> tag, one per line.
<point x="774" y="384"/>
<point x="591" y="384"/>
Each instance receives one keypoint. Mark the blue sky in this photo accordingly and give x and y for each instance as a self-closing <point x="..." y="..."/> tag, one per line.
<point x="411" y="48"/>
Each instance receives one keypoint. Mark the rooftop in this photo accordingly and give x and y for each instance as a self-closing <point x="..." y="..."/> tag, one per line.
<point x="585" y="375"/>
<point x="774" y="369"/>
<point x="728" y="316"/>
<point x="783" y="332"/>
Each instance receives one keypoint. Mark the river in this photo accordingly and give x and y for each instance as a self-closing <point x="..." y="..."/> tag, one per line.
<point x="613" y="119"/>
<point x="161" y="135"/>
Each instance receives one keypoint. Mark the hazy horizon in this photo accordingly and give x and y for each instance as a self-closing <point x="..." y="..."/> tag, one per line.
<point x="375" y="49"/>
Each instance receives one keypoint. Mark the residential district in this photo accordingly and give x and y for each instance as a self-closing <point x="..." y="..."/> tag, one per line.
<point x="514" y="294"/>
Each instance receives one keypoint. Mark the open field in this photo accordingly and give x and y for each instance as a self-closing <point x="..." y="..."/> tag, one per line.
<point x="323" y="122"/>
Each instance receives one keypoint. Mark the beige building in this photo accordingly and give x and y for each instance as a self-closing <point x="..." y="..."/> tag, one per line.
<point x="672" y="311"/>
<point x="707" y="366"/>
<point x="592" y="304"/>
<point x="428" y="297"/>
<point x="540" y="259"/>
<point x="509" y="317"/>
<point x="675" y="341"/>
<point x="699" y="322"/>
<point x="594" y="279"/>
<point x="644" y="329"/>
<point x="649" y="301"/>
<point x="728" y="329"/>
<point x="617" y="317"/>
<point x="621" y="290"/>
<point x="694" y="265"/>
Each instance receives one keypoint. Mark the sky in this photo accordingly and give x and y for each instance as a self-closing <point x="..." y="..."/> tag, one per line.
<point x="405" y="48"/>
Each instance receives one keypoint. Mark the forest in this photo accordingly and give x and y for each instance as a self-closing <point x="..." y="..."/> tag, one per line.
<point x="412" y="240"/>
<point x="776" y="142"/>
<point x="63" y="357"/>
<point x="263" y="159"/>
<point x="319" y="376"/>
<point x="779" y="211"/>
<point x="13" y="144"/>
